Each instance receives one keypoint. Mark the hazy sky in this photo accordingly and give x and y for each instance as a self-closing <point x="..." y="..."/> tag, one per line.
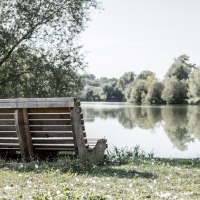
<point x="134" y="35"/>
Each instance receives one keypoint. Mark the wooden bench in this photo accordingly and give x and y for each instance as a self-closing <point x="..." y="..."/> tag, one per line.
<point x="37" y="125"/>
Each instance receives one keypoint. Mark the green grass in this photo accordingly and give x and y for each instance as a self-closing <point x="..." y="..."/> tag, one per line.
<point x="134" y="176"/>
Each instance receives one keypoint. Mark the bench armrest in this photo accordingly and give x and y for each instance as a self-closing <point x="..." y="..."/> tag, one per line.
<point x="96" y="154"/>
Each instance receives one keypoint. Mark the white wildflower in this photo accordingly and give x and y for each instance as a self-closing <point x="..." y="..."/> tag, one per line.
<point x="20" y="166"/>
<point x="36" y="166"/>
<point x="109" y="197"/>
<point x="8" y="188"/>
<point x="187" y="193"/>
<point x="58" y="192"/>
<point x="136" y="174"/>
<point x="165" y="195"/>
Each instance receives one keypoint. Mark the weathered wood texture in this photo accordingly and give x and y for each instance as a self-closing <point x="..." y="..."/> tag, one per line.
<point x="37" y="102"/>
<point x="40" y="125"/>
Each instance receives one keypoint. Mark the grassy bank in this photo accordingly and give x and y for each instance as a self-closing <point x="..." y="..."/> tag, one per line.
<point x="137" y="176"/>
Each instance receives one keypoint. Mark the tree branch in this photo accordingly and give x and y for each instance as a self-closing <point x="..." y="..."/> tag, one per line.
<point x="27" y="35"/>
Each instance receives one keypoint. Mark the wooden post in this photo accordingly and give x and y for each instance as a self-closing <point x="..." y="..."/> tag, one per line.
<point x="78" y="130"/>
<point x="27" y="132"/>
<point x="20" y="130"/>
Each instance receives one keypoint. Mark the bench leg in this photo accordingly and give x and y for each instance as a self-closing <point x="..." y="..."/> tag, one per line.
<point x="20" y="130"/>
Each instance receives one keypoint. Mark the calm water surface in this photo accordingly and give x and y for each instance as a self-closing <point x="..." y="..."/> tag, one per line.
<point x="168" y="131"/>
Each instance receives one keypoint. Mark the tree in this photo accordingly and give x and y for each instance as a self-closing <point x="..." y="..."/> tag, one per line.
<point x="145" y="74"/>
<point x="109" y="92"/>
<point x="126" y="79"/>
<point x="43" y="29"/>
<point x="34" y="76"/>
<point x="194" y="86"/>
<point x="181" y="68"/>
<point x="90" y="94"/>
<point x="175" y="91"/>
<point x="138" y="91"/>
<point x="90" y="79"/>
<point x="154" y="93"/>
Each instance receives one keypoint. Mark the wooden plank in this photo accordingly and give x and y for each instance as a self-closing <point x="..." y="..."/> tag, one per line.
<point x="20" y="130"/>
<point x="52" y="138"/>
<point x="37" y="102"/>
<point x="52" y="134"/>
<point x="55" y="149"/>
<point x="4" y="128"/>
<point x="10" y="122"/>
<point x="51" y="128"/>
<point x="8" y="134"/>
<point x="55" y="141"/>
<point x="49" y="116"/>
<point x="49" y="122"/>
<point x="9" y="144"/>
<point x="48" y="110"/>
<point x="9" y="140"/>
<point x="8" y="110"/>
<point x="53" y="145"/>
<point x="6" y="115"/>
<point x="55" y="132"/>
<point x="93" y="139"/>
<point x="27" y="132"/>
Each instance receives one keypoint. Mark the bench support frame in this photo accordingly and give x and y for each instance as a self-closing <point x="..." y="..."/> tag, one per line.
<point x="96" y="154"/>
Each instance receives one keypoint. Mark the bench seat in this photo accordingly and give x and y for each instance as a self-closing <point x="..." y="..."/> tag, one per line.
<point x="35" y="125"/>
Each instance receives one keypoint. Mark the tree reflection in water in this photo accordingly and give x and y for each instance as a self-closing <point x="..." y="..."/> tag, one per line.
<point x="180" y="123"/>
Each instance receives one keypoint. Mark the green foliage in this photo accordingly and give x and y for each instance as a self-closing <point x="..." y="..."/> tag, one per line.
<point x="90" y="93"/>
<point x="179" y="85"/>
<point x="138" y="92"/>
<point x="102" y="89"/>
<point x="181" y="68"/>
<point x="110" y="92"/>
<point x="175" y="91"/>
<point x="77" y="166"/>
<point x="194" y="86"/>
<point x="38" y="57"/>
<point x="145" y="74"/>
<point x="126" y="79"/>
<point x="154" y="93"/>
<point x="126" y="155"/>
<point x="145" y="89"/>
<point x="28" y="75"/>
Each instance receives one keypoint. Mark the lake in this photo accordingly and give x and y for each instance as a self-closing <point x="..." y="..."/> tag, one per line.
<point x="168" y="130"/>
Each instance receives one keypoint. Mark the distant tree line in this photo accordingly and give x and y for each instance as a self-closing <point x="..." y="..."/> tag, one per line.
<point x="181" y="84"/>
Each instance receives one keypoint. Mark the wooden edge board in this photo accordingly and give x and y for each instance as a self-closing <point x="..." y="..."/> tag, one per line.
<point x="37" y="102"/>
